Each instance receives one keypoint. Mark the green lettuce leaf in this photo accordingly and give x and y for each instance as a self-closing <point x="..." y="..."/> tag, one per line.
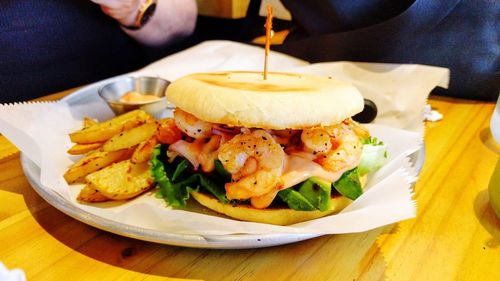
<point x="217" y="190"/>
<point x="220" y="169"/>
<point x="160" y="176"/>
<point x="373" y="156"/>
<point x="178" y="193"/>
<point x="179" y="169"/>
<point x="173" y="184"/>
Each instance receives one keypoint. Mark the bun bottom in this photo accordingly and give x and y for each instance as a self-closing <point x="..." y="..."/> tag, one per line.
<point x="276" y="216"/>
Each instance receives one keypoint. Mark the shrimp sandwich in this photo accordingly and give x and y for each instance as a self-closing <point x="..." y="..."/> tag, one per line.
<point x="279" y="151"/>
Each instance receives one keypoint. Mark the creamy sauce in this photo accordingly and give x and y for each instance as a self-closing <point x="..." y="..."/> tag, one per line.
<point x="134" y="96"/>
<point x="297" y="169"/>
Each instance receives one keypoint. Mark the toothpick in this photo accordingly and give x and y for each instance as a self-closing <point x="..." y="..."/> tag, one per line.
<point x="269" y="27"/>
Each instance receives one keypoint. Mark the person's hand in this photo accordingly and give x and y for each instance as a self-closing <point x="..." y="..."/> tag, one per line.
<point x="172" y="19"/>
<point x="124" y="11"/>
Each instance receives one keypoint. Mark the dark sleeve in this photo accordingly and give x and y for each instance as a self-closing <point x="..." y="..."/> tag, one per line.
<point x="463" y="36"/>
<point x="50" y="46"/>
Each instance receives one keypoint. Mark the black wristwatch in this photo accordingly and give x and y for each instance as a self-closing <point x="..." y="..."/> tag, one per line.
<point x="146" y="11"/>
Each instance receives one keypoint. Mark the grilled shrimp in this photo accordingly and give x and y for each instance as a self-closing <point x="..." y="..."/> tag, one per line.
<point x="336" y="147"/>
<point x="316" y="140"/>
<point x="358" y="129"/>
<point x="167" y="131"/>
<point x="208" y="153"/>
<point x="255" y="162"/>
<point x="191" y="125"/>
<point x="198" y="152"/>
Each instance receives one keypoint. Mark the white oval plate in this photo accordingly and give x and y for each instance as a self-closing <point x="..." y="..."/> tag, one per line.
<point x="235" y="241"/>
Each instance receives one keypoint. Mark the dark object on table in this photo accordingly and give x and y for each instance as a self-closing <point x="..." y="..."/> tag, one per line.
<point x="368" y="114"/>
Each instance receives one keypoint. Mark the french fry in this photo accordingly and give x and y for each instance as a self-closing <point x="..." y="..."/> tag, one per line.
<point x="130" y="137"/>
<point x="122" y="180"/>
<point x="93" y="162"/>
<point x="117" y="166"/>
<point x="101" y="132"/>
<point x="144" y="150"/>
<point x="90" y="194"/>
<point x="78" y="149"/>
<point x="87" y="122"/>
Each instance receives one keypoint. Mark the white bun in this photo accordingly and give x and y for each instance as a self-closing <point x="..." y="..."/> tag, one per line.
<point x="283" y="101"/>
<point x="281" y="216"/>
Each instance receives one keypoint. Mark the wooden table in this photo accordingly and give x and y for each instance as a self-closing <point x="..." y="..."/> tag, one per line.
<point x="455" y="235"/>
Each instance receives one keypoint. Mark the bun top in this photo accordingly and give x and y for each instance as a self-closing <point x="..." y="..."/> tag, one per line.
<point x="283" y="101"/>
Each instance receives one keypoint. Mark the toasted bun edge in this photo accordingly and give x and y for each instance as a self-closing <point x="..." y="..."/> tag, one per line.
<point x="274" y="216"/>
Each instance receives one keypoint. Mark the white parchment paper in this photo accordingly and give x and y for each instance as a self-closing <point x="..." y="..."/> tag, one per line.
<point x="40" y="131"/>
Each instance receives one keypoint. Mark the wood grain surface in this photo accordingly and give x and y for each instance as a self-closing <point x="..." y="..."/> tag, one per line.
<point x="231" y="9"/>
<point x="455" y="235"/>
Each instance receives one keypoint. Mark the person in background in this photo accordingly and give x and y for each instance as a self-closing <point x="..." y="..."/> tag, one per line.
<point x="461" y="35"/>
<point x="150" y="22"/>
<point x="49" y="46"/>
